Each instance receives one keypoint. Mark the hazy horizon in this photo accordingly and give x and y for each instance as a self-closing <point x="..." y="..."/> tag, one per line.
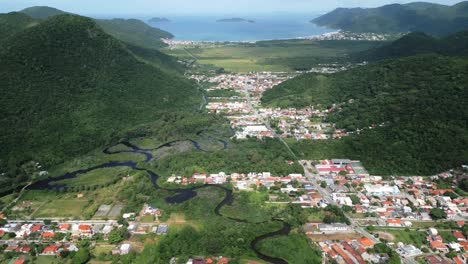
<point x="199" y="7"/>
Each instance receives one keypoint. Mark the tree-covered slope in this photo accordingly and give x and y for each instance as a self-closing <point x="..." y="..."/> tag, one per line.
<point x="418" y="43"/>
<point x="416" y="104"/>
<point x="132" y="31"/>
<point x="425" y="17"/>
<point x="13" y="23"/>
<point x="135" y="32"/>
<point x="68" y="87"/>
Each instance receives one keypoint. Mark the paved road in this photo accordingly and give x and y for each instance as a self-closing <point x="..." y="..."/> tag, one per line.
<point x="266" y="122"/>
<point x="327" y="196"/>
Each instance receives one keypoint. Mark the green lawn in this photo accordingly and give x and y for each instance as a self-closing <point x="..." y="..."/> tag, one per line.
<point x="61" y="208"/>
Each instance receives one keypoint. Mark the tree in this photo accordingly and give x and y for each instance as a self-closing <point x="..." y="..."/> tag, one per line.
<point x="323" y="184"/>
<point x="118" y="235"/>
<point x="437" y="214"/>
<point x="82" y="256"/>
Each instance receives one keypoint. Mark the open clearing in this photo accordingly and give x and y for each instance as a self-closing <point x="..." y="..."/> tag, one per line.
<point x="344" y="236"/>
<point x="61" y="208"/>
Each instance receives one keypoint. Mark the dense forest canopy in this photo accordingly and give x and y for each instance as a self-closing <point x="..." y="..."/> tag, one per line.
<point x="396" y="18"/>
<point x="416" y="104"/>
<point x="417" y="43"/>
<point x="68" y="87"/>
<point x="132" y="31"/>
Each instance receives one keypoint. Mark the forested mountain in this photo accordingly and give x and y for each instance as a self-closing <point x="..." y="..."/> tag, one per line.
<point x="13" y="23"/>
<point x="68" y="87"/>
<point x="418" y="43"/>
<point x="135" y="32"/>
<point x="416" y="104"/>
<point x="430" y="18"/>
<point x="42" y="12"/>
<point x="132" y="31"/>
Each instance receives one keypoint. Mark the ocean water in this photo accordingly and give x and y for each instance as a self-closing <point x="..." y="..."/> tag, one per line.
<point x="264" y="28"/>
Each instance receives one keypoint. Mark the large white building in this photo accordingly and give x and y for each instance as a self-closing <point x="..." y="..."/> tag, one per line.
<point x="381" y="190"/>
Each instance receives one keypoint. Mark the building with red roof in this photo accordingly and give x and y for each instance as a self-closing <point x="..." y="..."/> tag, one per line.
<point x="439" y="246"/>
<point x="366" y="242"/>
<point x="23" y="249"/>
<point x="64" y="227"/>
<point x="459" y="236"/>
<point x="50" y="250"/>
<point x="458" y="260"/>
<point x="48" y="235"/>
<point x="223" y="261"/>
<point x="36" y="228"/>
<point x="19" y="261"/>
<point x="394" y="222"/>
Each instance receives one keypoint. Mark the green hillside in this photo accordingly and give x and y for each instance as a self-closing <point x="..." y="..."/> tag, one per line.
<point x="418" y="43"/>
<point x="430" y="18"/>
<point x="417" y="105"/>
<point x="132" y="31"/>
<point x="13" y="23"/>
<point x="68" y="88"/>
<point x="135" y="32"/>
<point x="42" y="12"/>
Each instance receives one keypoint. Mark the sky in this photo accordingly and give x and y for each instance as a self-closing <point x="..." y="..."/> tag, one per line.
<point x="198" y="7"/>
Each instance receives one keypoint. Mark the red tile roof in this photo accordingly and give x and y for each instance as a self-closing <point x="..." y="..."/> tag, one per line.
<point x="458" y="235"/>
<point x="48" y="235"/>
<point x="50" y="249"/>
<point x="366" y="242"/>
<point x="19" y="261"/>
<point x="84" y="228"/>
<point x="35" y="228"/>
<point x="64" y="227"/>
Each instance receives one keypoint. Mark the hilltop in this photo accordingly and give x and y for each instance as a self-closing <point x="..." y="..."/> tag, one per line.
<point x="415" y="106"/>
<point x="68" y="87"/>
<point x="132" y="31"/>
<point x="418" y="43"/>
<point x="42" y="12"/>
<point x="429" y="18"/>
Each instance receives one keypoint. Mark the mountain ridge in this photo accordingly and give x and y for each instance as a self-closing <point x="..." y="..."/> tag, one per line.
<point x="133" y="31"/>
<point x="434" y="19"/>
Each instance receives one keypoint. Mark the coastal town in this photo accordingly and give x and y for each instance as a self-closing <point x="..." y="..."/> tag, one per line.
<point x="336" y="35"/>
<point x="249" y="118"/>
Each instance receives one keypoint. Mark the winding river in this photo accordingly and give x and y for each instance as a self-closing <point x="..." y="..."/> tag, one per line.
<point x="181" y="195"/>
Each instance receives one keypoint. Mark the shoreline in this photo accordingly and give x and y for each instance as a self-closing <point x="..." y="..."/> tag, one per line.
<point x="334" y="35"/>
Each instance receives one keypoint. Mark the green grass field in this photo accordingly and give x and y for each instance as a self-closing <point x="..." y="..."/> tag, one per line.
<point x="285" y="55"/>
<point x="61" y="208"/>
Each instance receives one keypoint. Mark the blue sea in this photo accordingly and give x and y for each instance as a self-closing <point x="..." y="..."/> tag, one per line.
<point x="265" y="28"/>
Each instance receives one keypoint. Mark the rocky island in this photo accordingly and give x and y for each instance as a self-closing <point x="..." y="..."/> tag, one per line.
<point x="158" y="20"/>
<point x="235" y="19"/>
